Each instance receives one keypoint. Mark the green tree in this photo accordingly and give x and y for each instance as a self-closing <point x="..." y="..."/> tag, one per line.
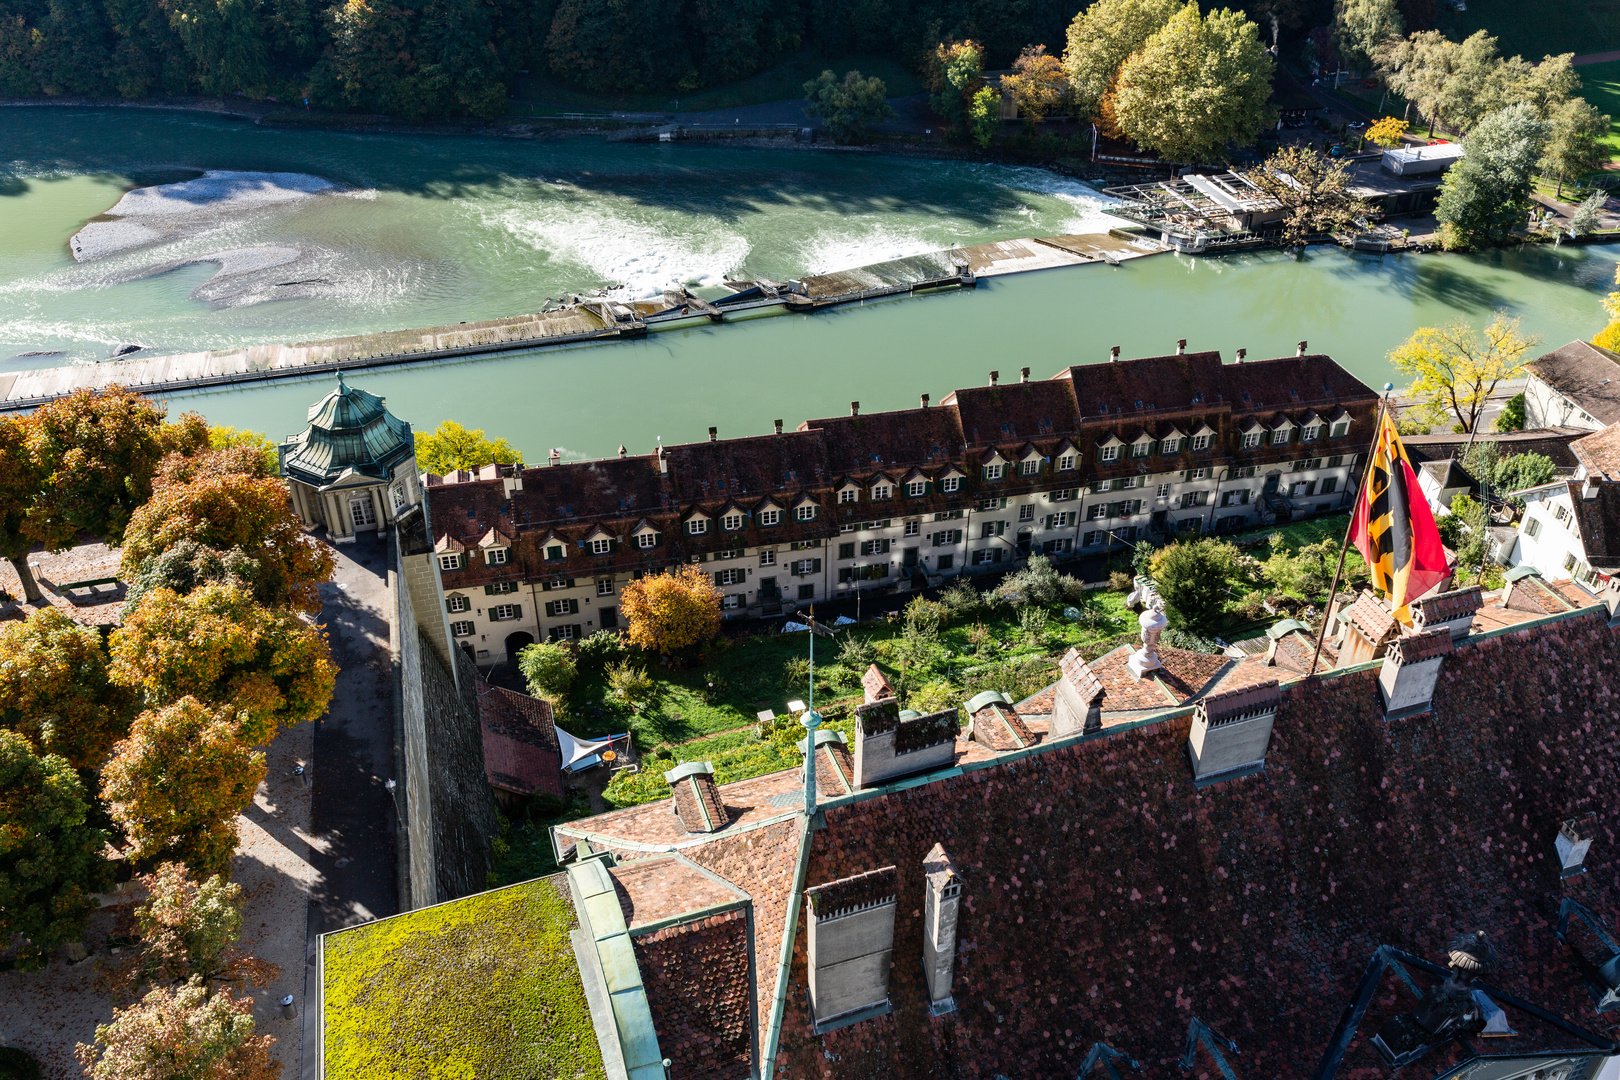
<point x="1100" y="39"/>
<point x="1486" y="195"/>
<point x="450" y="447"/>
<point x="181" y="1033"/>
<point x="1511" y="418"/>
<point x="1194" y="578"/>
<point x="1038" y="84"/>
<point x="1199" y="86"/>
<point x="1314" y="192"/>
<point x="188" y="566"/>
<point x="1308" y="572"/>
<point x="984" y="115"/>
<point x="1363" y="27"/>
<point x="1516" y="472"/>
<point x="54" y="689"/>
<point x="549" y="668"/>
<point x="177" y="783"/>
<point x="188" y="927"/>
<point x="226" y="44"/>
<point x="270" y="666"/>
<point x="955" y="70"/>
<point x="1574" y="141"/>
<point x="50" y="858"/>
<point x="849" y="108"/>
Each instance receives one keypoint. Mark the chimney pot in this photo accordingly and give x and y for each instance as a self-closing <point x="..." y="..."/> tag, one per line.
<point x="779" y="427"/>
<point x="854" y="408"/>
<point x="1241" y="353"/>
<point x="555" y="456"/>
<point x="1574" y="840"/>
<point x="1113" y="353"/>
<point x="1023" y="374"/>
<point x="995" y="377"/>
<point x="622" y="450"/>
<point x="714" y="434"/>
<point x="925" y="401"/>
<point x="1301" y="350"/>
<point x="1181" y="346"/>
<point x="944" y="892"/>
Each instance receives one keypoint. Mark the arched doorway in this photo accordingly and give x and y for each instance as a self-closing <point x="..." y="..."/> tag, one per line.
<point x="515" y="643"/>
<point x="1026" y="540"/>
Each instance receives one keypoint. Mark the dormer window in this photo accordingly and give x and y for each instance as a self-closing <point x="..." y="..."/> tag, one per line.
<point x="1280" y="436"/>
<point x="1251" y="440"/>
<point x="881" y="492"/>
<point x="807" y="512"/>
<point x="555" y="552"/>
<point x="1109" y="453"/>
<point x="1310" y="434"/>
<point x="1066" y="463"/>
<point x="1029" y="466"/>
<point x="848" y="496"/>
<point x="950" y="484"/>
<point x="916" y="489"/>
<point x="697" y="526"/>
<point x="1340" y="429"/>
<point x="769" y="517"/>
<point x="1172" y="445"/>
<point x="450" y="561"/>
<point x="731" y="522"/>
<point x="496" y="556"/>
<point x="993" y="471"/>
<point x="602" y="545"/>
<point x="647" y="540"/>
<point x="1200" y="442"/>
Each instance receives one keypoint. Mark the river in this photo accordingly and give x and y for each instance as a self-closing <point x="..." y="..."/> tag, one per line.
<point x="438" y="229"/>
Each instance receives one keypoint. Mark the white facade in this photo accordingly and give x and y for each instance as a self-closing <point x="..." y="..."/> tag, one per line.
<point x="1545" y="407"/>
<point x="1550" y="535"/>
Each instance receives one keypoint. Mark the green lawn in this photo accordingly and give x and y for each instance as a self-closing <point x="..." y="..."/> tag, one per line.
<point x="543" y="95"/>
<point x="1535" y="28"/>
<point x="1600" y="84"/>
<point x="485" y="986"/>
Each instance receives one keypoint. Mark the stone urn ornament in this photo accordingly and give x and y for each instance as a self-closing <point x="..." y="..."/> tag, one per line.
<point x="1153" y="622"/>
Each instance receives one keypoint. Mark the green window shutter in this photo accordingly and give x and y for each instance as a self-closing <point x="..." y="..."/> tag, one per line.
<point x="815" y="566"/>
<point x="717" y="578"/>
<point x="577" y="635"/>
<point x="517" y="611"/>
<point x="1049" y="518"/>
<point x="613" y="545"/>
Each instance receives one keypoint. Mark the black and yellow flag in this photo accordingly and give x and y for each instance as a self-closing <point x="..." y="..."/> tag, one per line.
<point x="1393" y="528"/>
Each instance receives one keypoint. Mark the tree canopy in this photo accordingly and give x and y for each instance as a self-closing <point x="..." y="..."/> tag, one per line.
<point x="177" y="783"/>
<point x="849" y="107"/>
<point x="181" y="1033"/>
<point x="549" y="669"/>
<point x="1363" y="27"/>
<point x="1100" y="39"/>
<point x="1456" y="367"/>
<point x="955" y="70"/>
<point x="1198" y="86"/>
<point x="1314" y="192"/>
<point x="219" y="645"/>
<point x="1038" y="84"/>
<point x="55" y="691"/>
<point x="50" y="857"/>
<point x="450" y="446"/>
<point x="671" y="611"/>
<point x="1486" y="195"/>
<point x="1193" y="578"/>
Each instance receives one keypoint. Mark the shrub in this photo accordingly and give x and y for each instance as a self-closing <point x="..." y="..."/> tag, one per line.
<point x="934" y="697"/>
<point x="1193" y="578"/>
<point x="549" y="668"/>
<point x="602" y="648"/>
<point x="17" y="1064"/>
<point x="925" y="616"/>
<point x="1033" y="622"/>
<point x="1038" y="583"/>
<point x="670" y="611"/>
<point x="630" y="685"/>
<point x="1142" y="556"/>
<point x="1517" y="472"/>
<point x="978" y="634"/>
<point x="1119" y="581"/>
<point x="1306" y="573"/>
<point x="1511" y="418"/>
<point x="796" y="673"/>
<point x="1252" y="605"/>
<point x="855" y="654"/>
<point x="961" y="598"/>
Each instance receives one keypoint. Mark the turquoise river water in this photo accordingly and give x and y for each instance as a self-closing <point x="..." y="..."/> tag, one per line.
<point x="388" y="231"/>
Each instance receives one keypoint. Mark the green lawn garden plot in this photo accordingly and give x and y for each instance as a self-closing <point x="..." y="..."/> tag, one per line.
<point x="1600" y="84"/>
<point x="1536" y="28"/>
<point x="482" y="987"/>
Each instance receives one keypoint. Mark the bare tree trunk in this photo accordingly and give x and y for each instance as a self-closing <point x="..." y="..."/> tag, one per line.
<point x="31" y="591"/>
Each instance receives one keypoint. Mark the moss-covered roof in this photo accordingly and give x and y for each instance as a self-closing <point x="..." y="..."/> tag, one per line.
<point x="484" y="987"/>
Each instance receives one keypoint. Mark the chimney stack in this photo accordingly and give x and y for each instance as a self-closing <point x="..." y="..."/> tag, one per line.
<point x="663" y="466"/>
<point x="995" y="377"/>
<point x="1181" y="347"/>
<point x="854" y="408"/>
<point x="1113" y="352"/>
<point x="1023" y="374"/>
<point x="1231" y="731"/>
<point x="779" y="427"/>
<point x="1301" y="350"/>
<point x="1574" y="840"/>
<point x="714" y="434"/>
<point x="622" y="450"/>
<point x="1241" y="353"/>
<point x="555" y="457"/>
<point x="1078" y="708"/>
<point x="1411" y="668"/>
<point x="944" y="891"/>
<point x="696" y="798"/>
<point x="849" y="932"/>
<point x="925" y="401"/>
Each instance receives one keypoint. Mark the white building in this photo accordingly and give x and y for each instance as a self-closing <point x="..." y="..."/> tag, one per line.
<point x="1575" y="386"/>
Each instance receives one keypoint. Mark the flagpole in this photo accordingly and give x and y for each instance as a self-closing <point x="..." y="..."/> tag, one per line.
<point x="1344" y="548"/>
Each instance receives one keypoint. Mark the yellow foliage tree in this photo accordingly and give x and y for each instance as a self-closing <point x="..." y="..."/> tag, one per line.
<point x="1455" y="367"/>
<point x="450" y="447"/>
<point x="1387" y="132"/>
<point x="673" y="610"/>
<point x="1609" y="336"/>
<point x="221" y="646"/>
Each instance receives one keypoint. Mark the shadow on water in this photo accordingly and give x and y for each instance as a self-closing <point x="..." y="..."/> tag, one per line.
<point x="716" y="181"/>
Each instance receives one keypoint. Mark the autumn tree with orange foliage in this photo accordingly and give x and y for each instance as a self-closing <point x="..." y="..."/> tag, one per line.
<point x="671" y="611"/>
<point x="177" y="783"/>
<point x="187" y="927"/>
<point x="82" y="464"/>
<point x="1038" y="84"/>
<point x="219" y="645"/>
<point x="216" y="499"/>
<point x="183" y="1032"/>
<point x="54" y="688"/>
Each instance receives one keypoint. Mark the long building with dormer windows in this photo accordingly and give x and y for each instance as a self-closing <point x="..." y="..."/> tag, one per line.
<point x="1097" y="456"/>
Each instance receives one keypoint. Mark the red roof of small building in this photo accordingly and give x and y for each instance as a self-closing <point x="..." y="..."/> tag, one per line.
<point x="521" y="754"/>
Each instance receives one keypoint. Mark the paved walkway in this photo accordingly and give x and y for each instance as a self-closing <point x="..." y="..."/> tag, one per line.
<point x="1596" y="58"/>
<point x="352" y="816"/>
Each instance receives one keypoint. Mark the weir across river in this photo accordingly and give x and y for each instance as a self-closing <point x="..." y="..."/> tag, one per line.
<point x="585" y="319"/>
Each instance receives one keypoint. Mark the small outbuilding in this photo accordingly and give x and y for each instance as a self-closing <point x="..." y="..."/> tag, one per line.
<point x="353" y="469"/>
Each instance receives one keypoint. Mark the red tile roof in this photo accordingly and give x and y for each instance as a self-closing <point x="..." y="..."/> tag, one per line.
<point x="696" y="978"/>
<point x="521" y="754"/>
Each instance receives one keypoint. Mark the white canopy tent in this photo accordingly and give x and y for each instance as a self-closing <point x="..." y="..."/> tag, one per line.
<point x="580" y="753"/>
